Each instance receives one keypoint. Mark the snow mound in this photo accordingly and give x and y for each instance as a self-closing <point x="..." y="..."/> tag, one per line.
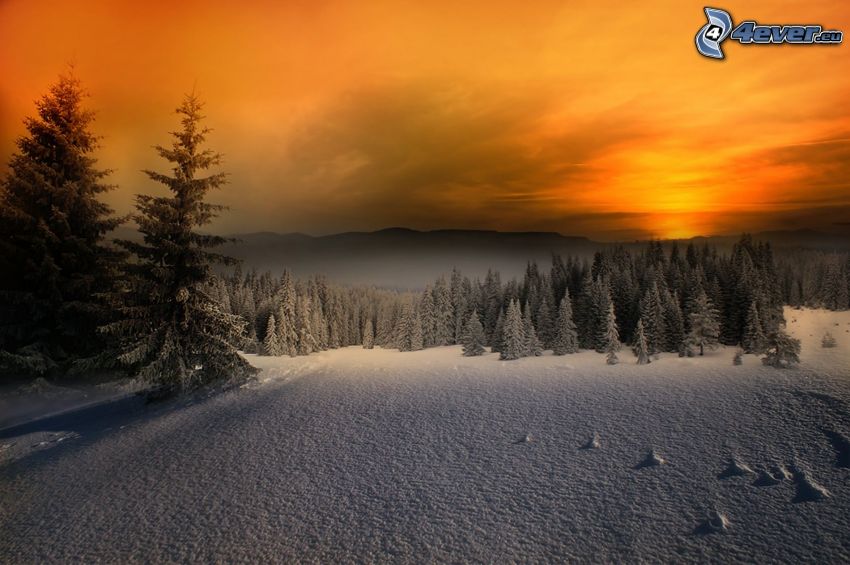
<point x="735" y="469"/>
<point x="652" y="459"/>
<point x="714" y="523"/>
<point x="766" y="479"/>
<point x="593" y="442"/>
<point x="808" y="490"/>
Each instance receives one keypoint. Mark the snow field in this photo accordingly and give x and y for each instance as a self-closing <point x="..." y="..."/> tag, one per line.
<point x="371" y="455"/>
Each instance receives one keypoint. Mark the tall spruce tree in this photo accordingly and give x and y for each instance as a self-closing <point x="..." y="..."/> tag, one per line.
<point x="172" y="333"/>
<point x="409" y="329"/>
<point x="754" y="340"/>
<point x="610" y="337"/>
<point x="271" y="345"/>
<point x="368" y="337"/>
<point x="54" y="264"/>
<point x="513" y="343"/>
<point x="641" y="348"/>
<point x="533" y="346"/>
<point x="705" y="324"/>
<point x="652" y="314"/>
<point x="566" y="337"/>
<point x="473" y="337"/>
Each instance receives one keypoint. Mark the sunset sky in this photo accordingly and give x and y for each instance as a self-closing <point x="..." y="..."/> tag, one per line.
<point x="586" y="118"/>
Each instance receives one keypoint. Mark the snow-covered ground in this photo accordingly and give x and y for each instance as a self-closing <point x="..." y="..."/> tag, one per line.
<point x="380" y="456"/>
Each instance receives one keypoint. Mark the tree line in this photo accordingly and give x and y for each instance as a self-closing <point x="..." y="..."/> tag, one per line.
<point x="682" y="301"/>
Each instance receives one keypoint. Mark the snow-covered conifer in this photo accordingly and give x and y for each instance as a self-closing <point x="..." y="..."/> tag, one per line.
<point x="533" y="347"/>
<point x="705" y="326"/>
<point x="473" y="337"/>
<point x="513" y="343"/>
<point x="641" y="348"/>
<point x="271" y="345"/>
<point x="782" y="350"/>
<point x="566" y="337"/>
<point x="409" y="329"/>
<point x="753" y="339"/>
<point x="172" y="333"/>
<point x="828" y="340"/>
<point x="610" y="338"/>
<point x="368" y="338"/>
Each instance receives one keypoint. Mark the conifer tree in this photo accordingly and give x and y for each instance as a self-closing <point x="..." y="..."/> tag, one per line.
<point x="674" y="323"/>
<point x="585" y="314"/>
<point x="368" y="337"/>
<point x="473" y="337"/>
<point x="705" y="326"/>
<point x="641" y="348"/>
<point x="566" y="338"/>
<point x="307" y="342"/>
<point x="533" y="347"/>
<point x="54" y="262"/>
<point x="428" y="317"/>
<point x="513" y="343"/>
<point x="652" y="314"/>
<point x="544" y="325"/>
<point x="271" y="345"/>
<point x="782" y="350"/>
<point x="610" y="338"/>
<point x="172" y="333"/>
<point x="602" y="303"/>
<point x="754" y="339"/>
<point x="409" y="330"/>
<point x="498" y="333"/>
<point x="828" y="341"/>
<point x="443" y="313"/>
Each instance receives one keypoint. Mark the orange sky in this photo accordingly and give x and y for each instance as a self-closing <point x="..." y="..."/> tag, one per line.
<point x="590" y="118"/>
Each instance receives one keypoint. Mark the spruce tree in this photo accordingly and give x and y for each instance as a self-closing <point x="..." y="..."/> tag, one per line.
<point x="513" y="343"/>
<point x="533" y="347"/>
<point x="409" y="329"/>
<point x="271" y="345"/>
<point x="428" y="316"/>
<point x="602" y="303"/>
<point x="498" y="333"/>
<point x="586" y="315"/>
<point x="368" y="337"/>
<point x="782" y="350"/>
<point x="610" y="338"/>
<point x="674" y="323"/>
<point x="307" y="342"/>
<point x="443" y="313"/>
<point x="705" y="325"/>
<point x="828" y="341"/>
<point x="54" y="263"/>
<point x="641" y="348"/>
<point x="544" y="325"/>
<point x="652" y="314"/>
<point x="473" y="337"/>
<point x="566" y="337"/>
<point x="754" y="339"/>
<point x="172" y="333"/>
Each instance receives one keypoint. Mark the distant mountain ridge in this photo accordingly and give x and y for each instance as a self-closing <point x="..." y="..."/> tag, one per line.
<point x="407" y="258"/>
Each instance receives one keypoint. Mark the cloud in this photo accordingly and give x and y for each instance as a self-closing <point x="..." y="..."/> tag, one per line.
<point x="431" y="156"/>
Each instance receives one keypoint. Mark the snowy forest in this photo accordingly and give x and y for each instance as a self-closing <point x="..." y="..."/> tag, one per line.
<point x="677" y="300"/>
<point x="75" y="301"/>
